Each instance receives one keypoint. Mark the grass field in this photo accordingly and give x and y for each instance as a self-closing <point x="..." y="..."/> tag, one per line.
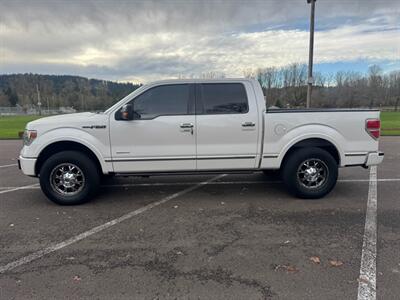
<point x="11" y="125"/>
<point x="390" y="122"/>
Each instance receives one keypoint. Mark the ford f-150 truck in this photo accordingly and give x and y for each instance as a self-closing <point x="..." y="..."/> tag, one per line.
<point x="197" y="126"/>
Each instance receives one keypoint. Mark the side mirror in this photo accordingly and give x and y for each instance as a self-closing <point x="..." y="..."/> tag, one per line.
<point x="127" y="112"/>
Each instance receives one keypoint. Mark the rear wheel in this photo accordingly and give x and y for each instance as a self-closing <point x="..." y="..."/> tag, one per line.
<point x="310" y="173"/>
<point x="69" y="178"/>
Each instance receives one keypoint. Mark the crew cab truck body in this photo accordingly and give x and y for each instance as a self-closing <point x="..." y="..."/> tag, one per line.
<point x="194" y="126"/>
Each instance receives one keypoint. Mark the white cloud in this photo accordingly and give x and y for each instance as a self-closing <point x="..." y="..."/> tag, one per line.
<point x="152" y="40"/>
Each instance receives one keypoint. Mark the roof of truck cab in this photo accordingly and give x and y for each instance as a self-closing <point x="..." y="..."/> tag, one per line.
<point x="219" y="80"/>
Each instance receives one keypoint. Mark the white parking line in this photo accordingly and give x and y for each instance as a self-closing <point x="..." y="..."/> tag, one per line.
<point x="57" y="246"/>
<point x="6" y="166"/>
<point x="367" y="279"/>
<point x="25" y="187"/>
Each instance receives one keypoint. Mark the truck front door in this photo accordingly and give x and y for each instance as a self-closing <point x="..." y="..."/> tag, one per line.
<point x="162" y="135"/>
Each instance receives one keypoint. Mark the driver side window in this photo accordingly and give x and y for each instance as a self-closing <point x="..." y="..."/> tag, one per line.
<point x="162" y="101"/>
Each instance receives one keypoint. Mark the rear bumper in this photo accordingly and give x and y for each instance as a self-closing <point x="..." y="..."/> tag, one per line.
<point x="374" y="158"/>
<point x="27" y="165"/>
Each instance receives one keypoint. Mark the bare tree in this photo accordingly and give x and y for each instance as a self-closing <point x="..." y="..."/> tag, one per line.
<point x="375" y="82"/>
<point x="287" y="87"/>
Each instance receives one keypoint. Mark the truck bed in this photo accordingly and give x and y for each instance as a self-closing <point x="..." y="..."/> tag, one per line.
<point x="343" y="128"/>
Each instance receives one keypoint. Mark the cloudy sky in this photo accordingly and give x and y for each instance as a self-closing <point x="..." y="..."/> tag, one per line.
<point x="148" y="40"/>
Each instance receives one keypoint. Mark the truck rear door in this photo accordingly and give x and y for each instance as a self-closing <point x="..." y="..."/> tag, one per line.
<point x="227" y="126"/>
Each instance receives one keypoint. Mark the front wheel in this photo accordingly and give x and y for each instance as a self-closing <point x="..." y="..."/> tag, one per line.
<point x="310" y="173"/>
<point x="69" y="178"/>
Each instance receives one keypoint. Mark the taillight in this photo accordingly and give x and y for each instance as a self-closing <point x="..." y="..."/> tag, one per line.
<point x="373" y="127"/>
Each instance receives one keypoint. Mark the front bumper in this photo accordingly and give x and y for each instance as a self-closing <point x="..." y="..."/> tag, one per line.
<point x="374" y="158"/>
<point x="27" y="165"/>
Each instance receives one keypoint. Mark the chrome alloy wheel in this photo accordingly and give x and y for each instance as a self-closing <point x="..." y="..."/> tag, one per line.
<point x="312" y="173"/>
<point x="67" y="179"/>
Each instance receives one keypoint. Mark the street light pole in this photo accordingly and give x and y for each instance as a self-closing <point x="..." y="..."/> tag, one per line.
<point x="39" y="103"/>
<point x="311" y="53"/>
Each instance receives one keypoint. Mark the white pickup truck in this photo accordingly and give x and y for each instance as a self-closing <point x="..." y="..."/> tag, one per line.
<point x="197" y="126"/>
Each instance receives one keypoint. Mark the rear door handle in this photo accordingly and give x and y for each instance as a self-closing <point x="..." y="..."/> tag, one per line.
<point x="248" y="124"/>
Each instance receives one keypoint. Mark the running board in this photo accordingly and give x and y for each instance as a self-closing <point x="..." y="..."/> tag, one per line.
<point x="205" y="172"/>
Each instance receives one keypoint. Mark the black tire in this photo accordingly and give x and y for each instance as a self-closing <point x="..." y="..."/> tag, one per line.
<point x="310" y="173"/>
<point x="80" y="188"/>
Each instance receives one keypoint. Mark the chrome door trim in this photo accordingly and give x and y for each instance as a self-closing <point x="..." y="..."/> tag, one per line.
<point x="182" y="158"/>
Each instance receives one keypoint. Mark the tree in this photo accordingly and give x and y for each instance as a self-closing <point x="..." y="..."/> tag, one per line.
<point x="12" y="96"/>
<point x="375" y="82"/>
<point x="56" y="91"/>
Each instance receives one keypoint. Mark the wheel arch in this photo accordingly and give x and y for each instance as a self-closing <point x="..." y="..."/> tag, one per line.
<point x="59" y="146"/>
<point x="317" y="142"/>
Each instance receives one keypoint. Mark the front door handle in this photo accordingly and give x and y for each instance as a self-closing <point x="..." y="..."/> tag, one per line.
<point x="187" y="127"/>
<point x="248" y="124"/>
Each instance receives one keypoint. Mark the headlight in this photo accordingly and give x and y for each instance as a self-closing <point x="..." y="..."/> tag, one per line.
<point x="29" y="136"/>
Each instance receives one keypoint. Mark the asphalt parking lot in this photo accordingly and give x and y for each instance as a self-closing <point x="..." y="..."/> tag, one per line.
<point x="197" y="237"/>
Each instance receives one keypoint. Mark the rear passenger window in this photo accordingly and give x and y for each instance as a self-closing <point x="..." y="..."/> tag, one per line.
<point x="224" y="98"/>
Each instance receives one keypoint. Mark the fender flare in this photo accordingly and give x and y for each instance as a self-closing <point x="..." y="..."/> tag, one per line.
<point x="78" y="140"/>
<point x="307" y="136"/>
